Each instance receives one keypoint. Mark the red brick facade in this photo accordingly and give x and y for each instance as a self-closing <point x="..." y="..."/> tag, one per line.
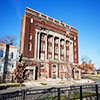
<point x="47" y="41"/>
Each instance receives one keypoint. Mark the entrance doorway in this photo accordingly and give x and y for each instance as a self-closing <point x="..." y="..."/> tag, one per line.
<point x="36" y="71"/>
<point x="54" y="71"/>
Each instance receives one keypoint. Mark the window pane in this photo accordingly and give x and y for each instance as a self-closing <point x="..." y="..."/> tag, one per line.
<point x="30" y="36"/>
<point x="1" y="53"/>
<point x="0" y="67"/>
<point x="29" y="46"/>
<point x="12" y="54"/>
<point x="12" y="65"/>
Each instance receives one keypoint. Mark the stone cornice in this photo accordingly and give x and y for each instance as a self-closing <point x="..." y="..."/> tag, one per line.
<point x="46" y="28"/>
<point x="44" y="61"/>
<point x="47" y="18"/>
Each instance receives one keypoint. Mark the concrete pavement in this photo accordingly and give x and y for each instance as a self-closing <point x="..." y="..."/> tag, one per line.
<point x="48" y="84"/>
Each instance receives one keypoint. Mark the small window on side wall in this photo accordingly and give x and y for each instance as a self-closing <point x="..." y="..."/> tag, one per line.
<point x="0" y="67"/>
<point x="30" y="36"/>
<point x="12" y="65"/>
<point x="12" y="55"/>
<point x="31" y="20"/>
<point x="29" y="47"/>
<point x="1" y="53"/>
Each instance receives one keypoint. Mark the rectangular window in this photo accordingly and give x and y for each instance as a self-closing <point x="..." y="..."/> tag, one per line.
<point x="1" y="53"/>
<point x="42" y="66"/>
<point x="30" y="36"/>
<point x="12" y="55"/>
<point x="74" y="43"/>
<point x="0" y="67"/>
<point x="31" y="20"/>
<point x="49" y="48"/>
<point x="41" y="74"/>
<point x="74" y="37"/>
<point x="42" y="47"/>
<point x="49" y="56"/>
<point x="29" y="47"/>
<point x="75" y="56"/>
<point x="12" y="65"/>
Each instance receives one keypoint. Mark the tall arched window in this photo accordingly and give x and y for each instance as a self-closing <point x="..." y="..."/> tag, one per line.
<point x="61" y="68"/>
<point x="54" y="71"/>
<point x="47" y="67"/>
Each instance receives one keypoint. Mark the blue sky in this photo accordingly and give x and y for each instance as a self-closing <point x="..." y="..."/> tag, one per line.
<point x="84" y="15"/>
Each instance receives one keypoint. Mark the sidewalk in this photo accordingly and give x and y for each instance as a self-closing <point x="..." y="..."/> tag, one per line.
<point x="57" y="82"/>
<point x="42" y="84"/>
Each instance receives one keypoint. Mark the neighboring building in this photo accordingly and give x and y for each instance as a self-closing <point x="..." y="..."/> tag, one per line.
<point x="87" y="68"/>
<point x="48" y="46"/>
<point x="98" y="71"/>
<point x="8" y="57"/>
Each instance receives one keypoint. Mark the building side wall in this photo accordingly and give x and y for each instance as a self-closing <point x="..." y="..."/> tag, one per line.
<point x="10" y="64"/>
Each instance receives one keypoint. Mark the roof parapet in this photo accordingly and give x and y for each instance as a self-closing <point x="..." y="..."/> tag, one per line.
<point x="41" y="15"/>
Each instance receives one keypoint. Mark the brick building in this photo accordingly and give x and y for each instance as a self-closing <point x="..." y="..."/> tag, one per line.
<point x="48" y="46"/>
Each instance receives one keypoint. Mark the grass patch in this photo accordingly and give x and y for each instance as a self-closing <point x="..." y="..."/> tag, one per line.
<point x="95" y="78"/>
<point x="71" y="96"/>
<point x="61" y="82"/>
<point x="11" y="85"/>
<point x="15" y="85"/>
<point x="44" y="83"/>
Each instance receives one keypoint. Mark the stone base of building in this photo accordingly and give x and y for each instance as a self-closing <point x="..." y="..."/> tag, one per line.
<point x="50" y="70"/>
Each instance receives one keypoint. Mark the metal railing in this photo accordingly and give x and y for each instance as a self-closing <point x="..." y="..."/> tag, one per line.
<point x="92" y="92"/>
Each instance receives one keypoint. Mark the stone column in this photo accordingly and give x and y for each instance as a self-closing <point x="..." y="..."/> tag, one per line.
<point x="34" y="72"/>
<point x="71" y="51"/>
<point x="46" y="47"/>
<point x="39" y="46"/>
<point x="79" y="73"/>
<point x="65" y="50"/>
<point x="53" y="48"/>
<point x="35" y="46"/>
<point x="59" y="49"/>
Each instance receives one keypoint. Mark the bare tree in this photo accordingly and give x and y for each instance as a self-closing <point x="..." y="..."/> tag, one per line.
<point x="85" y="60"/>
<point x="9" y="39"/>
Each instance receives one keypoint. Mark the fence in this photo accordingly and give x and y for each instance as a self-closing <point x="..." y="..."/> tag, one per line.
<point x="91" y="92"/>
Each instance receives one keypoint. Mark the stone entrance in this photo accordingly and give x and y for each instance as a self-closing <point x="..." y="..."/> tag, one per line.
<point x="33" y="72"/>
<point x="54" y="71"/>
